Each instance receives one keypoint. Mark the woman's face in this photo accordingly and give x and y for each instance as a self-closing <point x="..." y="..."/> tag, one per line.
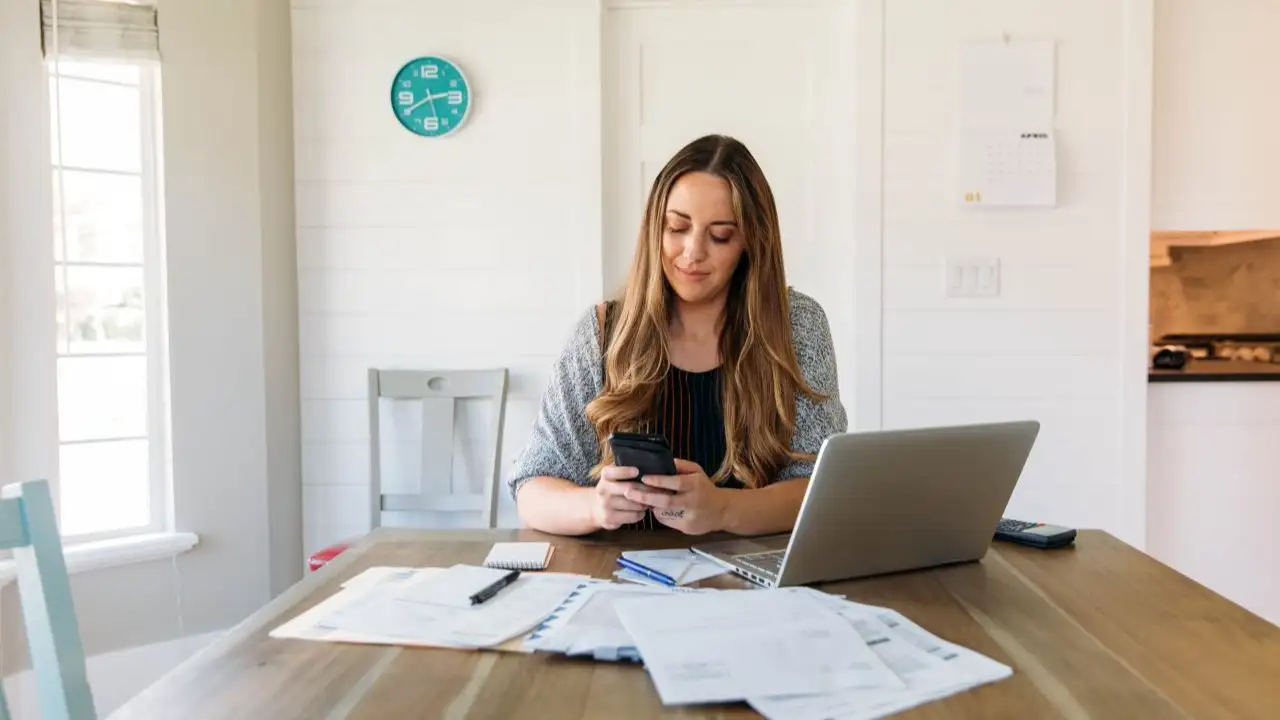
<point x="701" y="240"/>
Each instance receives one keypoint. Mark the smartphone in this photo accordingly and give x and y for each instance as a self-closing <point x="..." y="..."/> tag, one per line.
<point x="649" y="453"/>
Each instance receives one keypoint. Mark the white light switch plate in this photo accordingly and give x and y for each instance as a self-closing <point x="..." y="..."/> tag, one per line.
<point x="973" y="277"/>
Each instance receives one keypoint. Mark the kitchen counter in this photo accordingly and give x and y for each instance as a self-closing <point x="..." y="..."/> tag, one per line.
<point x="1218" y="371"/>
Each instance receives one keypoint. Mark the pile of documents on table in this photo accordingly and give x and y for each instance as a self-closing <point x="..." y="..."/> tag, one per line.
<point x="791" y="653"/>
<point x="423" y="607"/>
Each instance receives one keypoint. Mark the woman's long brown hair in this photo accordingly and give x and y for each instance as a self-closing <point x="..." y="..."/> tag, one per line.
<point x="760" y="375"/>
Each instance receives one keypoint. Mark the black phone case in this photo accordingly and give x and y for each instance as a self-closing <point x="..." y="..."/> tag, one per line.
<point x="650" y="454"/>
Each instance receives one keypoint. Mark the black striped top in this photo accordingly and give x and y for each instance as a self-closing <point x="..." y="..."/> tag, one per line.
<point x="688" y="412"/>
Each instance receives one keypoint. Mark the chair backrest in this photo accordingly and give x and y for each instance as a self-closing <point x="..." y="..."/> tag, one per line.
<point x="28" y="527"/>
<point x="438" y="391"/>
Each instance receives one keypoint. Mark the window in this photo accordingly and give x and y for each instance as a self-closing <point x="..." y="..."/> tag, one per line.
<point x="108" y="275"/>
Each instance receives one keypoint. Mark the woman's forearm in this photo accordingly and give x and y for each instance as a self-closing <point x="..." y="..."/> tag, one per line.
<point x="764" y="511"/>
<point x="557" y="506"/>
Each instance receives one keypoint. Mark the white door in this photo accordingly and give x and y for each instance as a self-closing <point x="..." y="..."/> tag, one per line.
<point x="777" y="76"/>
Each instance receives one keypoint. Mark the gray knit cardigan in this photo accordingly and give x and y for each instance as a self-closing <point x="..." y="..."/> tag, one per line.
<point x="563" y="443"/>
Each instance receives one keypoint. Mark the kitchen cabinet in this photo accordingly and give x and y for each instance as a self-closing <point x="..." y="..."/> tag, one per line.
<point x="1163" y="240"/>
<point x="1213" y="498"/>
<point x="1216" y="151"/>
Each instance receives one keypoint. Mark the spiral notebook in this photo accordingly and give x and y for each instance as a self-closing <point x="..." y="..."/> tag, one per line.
<point x="520" y="556"/>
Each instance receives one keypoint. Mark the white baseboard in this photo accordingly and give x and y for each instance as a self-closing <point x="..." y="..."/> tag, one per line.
<point x="114" y="677"/>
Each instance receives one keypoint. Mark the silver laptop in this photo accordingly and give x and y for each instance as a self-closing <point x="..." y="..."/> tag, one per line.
<point x="891" y="500"/>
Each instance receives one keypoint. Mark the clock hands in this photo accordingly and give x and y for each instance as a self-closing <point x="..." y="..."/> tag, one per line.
<point x="414" y="106"/>
<point x="429" y="98"/>
<point x="432" y="99"/>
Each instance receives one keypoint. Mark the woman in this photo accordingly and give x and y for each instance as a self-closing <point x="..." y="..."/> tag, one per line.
<point x="707" y="346"/>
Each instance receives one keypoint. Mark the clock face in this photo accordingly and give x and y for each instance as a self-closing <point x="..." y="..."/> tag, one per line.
<point x="430" y="96"/>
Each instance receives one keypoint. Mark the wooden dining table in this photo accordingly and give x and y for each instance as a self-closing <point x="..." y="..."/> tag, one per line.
<point x="1094" y="630"/>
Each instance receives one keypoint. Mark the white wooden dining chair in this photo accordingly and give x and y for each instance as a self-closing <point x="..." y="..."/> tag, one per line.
<point x="28" y="527"/>
<point x="438" y="392"/>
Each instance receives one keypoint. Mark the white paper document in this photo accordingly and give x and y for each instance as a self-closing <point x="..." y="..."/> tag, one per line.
<point x="381" y="573"/>
<point x="729" y="645"/>
<point x="587" y="624"/>
<point x="393" y="612"/>
<point x="453" y="586"/>
<point x="930" y="668"/>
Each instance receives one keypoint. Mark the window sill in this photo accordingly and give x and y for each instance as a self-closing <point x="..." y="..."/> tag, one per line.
<point x="82" y="557"/>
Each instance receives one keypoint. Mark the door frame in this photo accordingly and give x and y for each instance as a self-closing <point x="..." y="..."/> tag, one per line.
<point x="862" y="60"/>
<point x="1135" y="269"/>
<point x="868" y="20"/>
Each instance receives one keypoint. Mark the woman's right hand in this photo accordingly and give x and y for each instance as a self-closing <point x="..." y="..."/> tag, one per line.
<point x="610" y="507"/>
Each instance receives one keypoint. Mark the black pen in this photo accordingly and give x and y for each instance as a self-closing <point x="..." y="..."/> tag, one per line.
<point x="493" y="589"/>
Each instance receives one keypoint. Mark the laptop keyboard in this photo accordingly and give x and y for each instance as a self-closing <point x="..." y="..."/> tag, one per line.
<point x="766" y="563"/>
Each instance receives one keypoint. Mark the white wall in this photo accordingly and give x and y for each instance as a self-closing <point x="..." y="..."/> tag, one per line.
<point x="229" y="242"/>
<point x="11" y="137"/>
<point x="1217" y="154"/>
<point x="476" y="250"/>
<point x="230" y="266"/>
<point x="392" y="229"/>
<point x="280" y="294"/>
<point x="1051" y="346"/>
<point x="32" y="371"/>
<point x="482" y="249"/>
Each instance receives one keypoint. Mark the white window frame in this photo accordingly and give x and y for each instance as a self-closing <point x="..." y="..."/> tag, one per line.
<point x="160" y="518"/>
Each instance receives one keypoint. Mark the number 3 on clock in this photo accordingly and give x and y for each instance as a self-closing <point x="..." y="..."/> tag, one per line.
<point x="430" y="96"/>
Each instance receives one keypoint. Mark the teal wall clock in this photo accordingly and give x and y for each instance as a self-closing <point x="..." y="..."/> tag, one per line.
<point x="431" y="97"/>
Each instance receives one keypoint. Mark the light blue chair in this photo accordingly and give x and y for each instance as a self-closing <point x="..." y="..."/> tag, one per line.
<point x="28" y="527"/>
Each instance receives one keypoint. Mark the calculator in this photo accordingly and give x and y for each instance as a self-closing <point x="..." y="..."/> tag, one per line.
<point x="1034" y="534"/>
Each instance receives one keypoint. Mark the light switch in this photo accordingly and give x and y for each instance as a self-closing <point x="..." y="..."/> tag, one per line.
<point x="973" y="277"/>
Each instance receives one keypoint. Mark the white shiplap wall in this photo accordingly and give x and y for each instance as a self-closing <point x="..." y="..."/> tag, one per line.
<point x="1051" y="346"/>
<point x="476" y="250"/>
<point x="483" y="248"/>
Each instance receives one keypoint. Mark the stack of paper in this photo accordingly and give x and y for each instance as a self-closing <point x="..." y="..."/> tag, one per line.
<point x="586" y="623"/>
<point x="732" y="645"/>
<point x="792" y="654"/>
<point x="929" y="667"/>
<point x="401" y="606"/>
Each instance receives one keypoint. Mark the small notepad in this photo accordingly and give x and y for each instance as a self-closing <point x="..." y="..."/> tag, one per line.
<point x="519" y="555"/>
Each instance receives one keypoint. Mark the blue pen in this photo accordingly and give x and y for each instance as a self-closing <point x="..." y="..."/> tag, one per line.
<point x="651" y="574"/>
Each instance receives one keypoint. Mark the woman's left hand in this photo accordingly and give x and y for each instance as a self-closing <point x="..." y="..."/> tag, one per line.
<point x="691" y="503"/>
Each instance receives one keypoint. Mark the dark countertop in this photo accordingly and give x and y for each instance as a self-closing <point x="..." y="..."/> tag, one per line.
<point x="1218" y="371"/>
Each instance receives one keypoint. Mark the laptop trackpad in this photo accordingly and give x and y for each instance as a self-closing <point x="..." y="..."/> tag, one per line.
<point x="745" y="546"/>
